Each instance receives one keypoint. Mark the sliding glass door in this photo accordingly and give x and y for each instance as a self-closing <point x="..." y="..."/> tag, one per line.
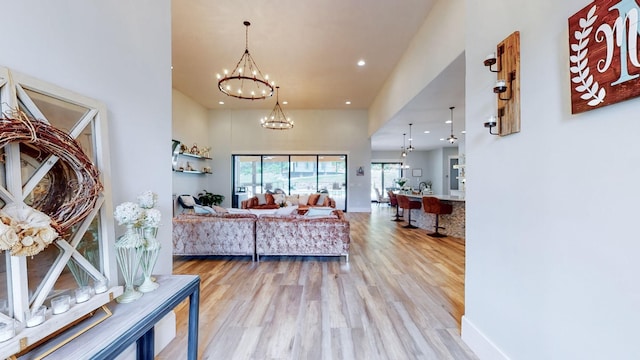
<point x="291" y="174"/>
<point x="383" y="177"/>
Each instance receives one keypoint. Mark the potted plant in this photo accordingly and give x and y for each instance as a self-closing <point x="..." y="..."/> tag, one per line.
<point x="209" y="199"/>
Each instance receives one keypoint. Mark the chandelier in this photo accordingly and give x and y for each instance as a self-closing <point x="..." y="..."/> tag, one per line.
<point x="245" y="81"/>
<point x="452" y="137"/>
<point x="277" y="119"/>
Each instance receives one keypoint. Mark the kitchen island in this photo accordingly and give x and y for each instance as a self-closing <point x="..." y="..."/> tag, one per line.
<point x="454" y="223"/>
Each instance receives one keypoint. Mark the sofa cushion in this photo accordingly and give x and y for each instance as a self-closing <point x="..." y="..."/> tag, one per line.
<point x="262" y="199"/>
<point x="219" y="209"/>
<point x="279" y="198"/>
<point x="321" y="199"/>
<point x="303" y="199"/>
<point x="314" y="211"/>
<point x="199" y="209"/>
<point x="269" y="198"/>
<point x="187" y="201"/>
<point x="313" y="199"/>
<point x="292" y="200"/>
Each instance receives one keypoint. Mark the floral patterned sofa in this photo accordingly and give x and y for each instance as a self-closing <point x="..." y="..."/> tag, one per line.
<point x="302" y="235"/>
<point x="215" y="234"/>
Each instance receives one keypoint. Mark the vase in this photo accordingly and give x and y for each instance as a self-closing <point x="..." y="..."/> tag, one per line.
<point x="128" y="255"/>
<point x="148" y="258"/>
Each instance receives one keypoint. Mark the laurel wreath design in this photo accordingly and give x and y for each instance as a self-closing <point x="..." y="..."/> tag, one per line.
<point x="591" y="89"/>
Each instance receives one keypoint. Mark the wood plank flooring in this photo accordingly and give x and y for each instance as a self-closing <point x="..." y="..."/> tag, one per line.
<point x="401" y="296"/>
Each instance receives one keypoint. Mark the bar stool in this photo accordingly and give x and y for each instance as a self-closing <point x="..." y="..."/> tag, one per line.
<point x="433" y="205"/>
<point x="393" y="201"/>
<point x="407" y="205"/>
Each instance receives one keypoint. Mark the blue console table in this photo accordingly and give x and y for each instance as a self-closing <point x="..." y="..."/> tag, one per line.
<point x="134" y="323"/>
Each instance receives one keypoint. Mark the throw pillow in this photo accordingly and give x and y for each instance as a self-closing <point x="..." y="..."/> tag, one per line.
<point x="318" y="212"/>
<point x="313" y="199"/>
<point x="269" y="198"/>
<point x="203" y="210"/>
<point x="187" y="200"/>
<point x="262" y="199"/>
<point x="279" y="198"/>
<point x="321" y="199"/>
<point x="220" y="209"/>
<point x="292" y="199"/>
<point x="303" y="199"/>
<point x="287" y="210"/>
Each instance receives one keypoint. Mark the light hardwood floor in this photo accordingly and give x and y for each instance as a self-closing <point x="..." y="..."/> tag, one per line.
<point x="401" y="296"/>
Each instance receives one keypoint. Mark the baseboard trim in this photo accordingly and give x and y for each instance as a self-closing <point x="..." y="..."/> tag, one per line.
<point x="481" y="345"/>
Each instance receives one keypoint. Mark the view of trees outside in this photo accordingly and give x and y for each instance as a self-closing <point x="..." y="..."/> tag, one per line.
<point x="295" y="174"/>
<point x="383" y="176"/>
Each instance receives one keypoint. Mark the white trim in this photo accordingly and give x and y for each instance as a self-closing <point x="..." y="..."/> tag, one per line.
<point x="481" y="345"/>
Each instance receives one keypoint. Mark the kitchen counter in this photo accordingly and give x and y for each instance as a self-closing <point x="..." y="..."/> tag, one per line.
<point x="454" y="223"/>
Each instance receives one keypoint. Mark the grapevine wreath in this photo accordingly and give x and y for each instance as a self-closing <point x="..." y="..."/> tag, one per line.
<point x="27" y="230"/>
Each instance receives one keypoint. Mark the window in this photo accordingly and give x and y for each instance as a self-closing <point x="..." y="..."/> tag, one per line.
<point x="383" y="177"/>
<point x="292" y="174"/>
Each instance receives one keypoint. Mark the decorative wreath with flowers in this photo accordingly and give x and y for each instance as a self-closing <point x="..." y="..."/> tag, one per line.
<point x="27" y="230"/>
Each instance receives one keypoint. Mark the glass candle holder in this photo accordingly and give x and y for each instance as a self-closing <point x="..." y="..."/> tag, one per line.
<point x="7" y="330"/>
<point x="60" y="304"/>
<point x="83" y="293"/>
<point x="101" y="286"/>
<point x="35" y="317"/>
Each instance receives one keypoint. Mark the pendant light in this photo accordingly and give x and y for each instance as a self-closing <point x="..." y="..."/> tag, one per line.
<point x="452" y="139"/>
<point x="404" y="153"/>
<point x="410" y="148"/>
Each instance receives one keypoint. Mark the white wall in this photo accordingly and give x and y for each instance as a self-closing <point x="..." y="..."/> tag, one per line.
<point x="117" y="52"/>
<point x="315" y="132"/>
<point x="552" y="254"/>
<point x="438" y="42"/>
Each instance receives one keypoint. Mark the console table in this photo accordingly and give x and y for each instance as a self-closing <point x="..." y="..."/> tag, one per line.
<point x="134" y="322"/>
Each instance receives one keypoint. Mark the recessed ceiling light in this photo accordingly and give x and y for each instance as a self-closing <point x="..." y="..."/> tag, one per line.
<point x="285" y="102"/>
<point x="361" y="62"/>
<point x="221" y="102"/>
<point x="441" y="139"/>
<point x="448" y="122"/>
<point x="427" y="131"/>
<point x="348" y="102"/>
<point x="463" y="131"/>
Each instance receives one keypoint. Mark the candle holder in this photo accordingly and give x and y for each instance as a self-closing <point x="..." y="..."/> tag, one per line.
<point x="128" y="256"/>
<point x="35" y="316"/>
<point x="60" y="304"/>
<point x="101" y="285"/>
<point x="148" y="258"/>
<point x="7" y="329"/>
<point x="491" y="124"/>
<point x="83" y="293"/>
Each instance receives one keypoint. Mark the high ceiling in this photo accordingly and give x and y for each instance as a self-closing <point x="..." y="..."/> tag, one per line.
<point x="311" y="49"/>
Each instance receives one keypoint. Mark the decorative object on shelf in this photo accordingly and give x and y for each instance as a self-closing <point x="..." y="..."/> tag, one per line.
<point x="24" y="230"/>
<point x="452" y="138"/>
<point x="60" y="304"/>
<point x="603" y="45"/>
<point x="277" y="120"/>
<point x="151" y="246"/>
<point x="246" y="80"/>
<point x="194" y="150"/>
<point x="507" y="86"/>
<point x="35" y="316"/>
<point x="83" y="293"/>
<point x="209" y="199"/>
<point x="360" y="171"/>
<point x="188" y="167"/>
<point x="183" y="149"/>
<point x="205" y="152"/>
<point x="128" y="248"/>
<point x="206" y="170"/>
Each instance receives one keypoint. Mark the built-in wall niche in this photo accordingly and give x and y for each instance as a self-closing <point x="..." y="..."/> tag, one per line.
<point x="37" y="178"/>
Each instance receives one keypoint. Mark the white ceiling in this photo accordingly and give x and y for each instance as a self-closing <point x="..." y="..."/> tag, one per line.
<point x="310" y="48"/>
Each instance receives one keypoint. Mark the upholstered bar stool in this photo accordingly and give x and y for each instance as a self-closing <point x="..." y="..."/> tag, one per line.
<point x="433" y="205"/>
<point x="407" y="205"/>
<point x="393" y="201"/>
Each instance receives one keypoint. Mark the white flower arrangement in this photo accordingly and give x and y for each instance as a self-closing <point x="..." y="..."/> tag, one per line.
<point x="147" y="199"/>
<point x="152" y="218"/>
<point x="128" y="213"/>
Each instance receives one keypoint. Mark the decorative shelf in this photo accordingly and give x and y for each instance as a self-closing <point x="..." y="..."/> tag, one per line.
<point x="193" y="172"/>
<point x="195" y="156"/>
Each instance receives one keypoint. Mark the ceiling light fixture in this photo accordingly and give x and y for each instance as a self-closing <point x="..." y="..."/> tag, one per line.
<point x="277" y="119"/>
<point x="452" y="138"/>
<point x="361" y="63"/>
<point x="245" y="81"/>
<point x="410" y="148"/>
<point x="404" y="152"/>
